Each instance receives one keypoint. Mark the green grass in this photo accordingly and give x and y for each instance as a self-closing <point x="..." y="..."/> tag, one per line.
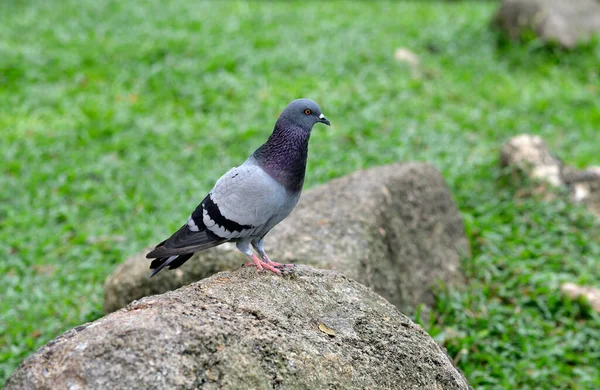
<point x="511" y="327"/>
<point x="116" y="117"/>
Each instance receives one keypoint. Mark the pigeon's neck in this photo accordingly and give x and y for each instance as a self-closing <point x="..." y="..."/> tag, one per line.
<point x="284" y="154"/>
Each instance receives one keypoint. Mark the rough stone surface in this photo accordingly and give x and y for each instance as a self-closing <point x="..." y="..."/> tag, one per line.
<point x="394" y="228"/>
<point x="566" y="22"/>
<point x="315" y="329"/>
<point x="528" y="155"/>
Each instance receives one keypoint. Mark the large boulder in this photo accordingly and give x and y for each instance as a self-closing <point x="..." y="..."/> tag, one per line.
<point x="394" y="228"/>
<point x="314" y="329"/>
<point x="566" y="22"/>
<point x="527" y="156"/>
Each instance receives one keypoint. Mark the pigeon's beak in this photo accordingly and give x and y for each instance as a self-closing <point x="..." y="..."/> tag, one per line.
<point x="322" y="119"/>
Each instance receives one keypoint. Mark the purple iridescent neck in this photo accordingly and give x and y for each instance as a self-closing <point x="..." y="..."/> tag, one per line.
<point x="284" y="154"/>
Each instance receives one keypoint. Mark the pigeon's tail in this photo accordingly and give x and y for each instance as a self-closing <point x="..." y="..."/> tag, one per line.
<point x="178" y="248"/>
<point x="171" y="261"/>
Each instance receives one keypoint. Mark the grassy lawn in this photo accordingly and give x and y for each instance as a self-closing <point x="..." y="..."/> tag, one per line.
<point x="116" y="118"/>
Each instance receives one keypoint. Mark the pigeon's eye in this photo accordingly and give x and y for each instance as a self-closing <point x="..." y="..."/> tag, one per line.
<point x="307" y="111"/>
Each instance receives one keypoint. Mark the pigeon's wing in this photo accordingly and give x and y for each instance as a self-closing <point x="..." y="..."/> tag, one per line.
<point x="241" y="204"/>
<point x="185" y="241"/>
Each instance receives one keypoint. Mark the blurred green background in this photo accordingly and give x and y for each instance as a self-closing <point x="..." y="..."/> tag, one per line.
<point x="117" y="117"/>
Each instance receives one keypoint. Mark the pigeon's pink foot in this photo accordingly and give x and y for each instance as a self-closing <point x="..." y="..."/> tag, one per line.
<point x="262" y="265"/>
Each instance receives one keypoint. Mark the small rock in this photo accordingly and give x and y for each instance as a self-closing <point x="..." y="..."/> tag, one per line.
<point x="575" y="291"/>
<point x="405" y="55"/>
<point x="528" y="155"/>
<point x="585" y="188"/>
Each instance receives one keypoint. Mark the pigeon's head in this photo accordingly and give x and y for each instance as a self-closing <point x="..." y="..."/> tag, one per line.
<point x="304" y="113"/>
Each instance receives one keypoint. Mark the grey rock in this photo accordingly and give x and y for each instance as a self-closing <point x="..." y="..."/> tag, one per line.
<point x="314" y="329"/>
<point x="528" y="156"/>
<point x="561" y="21"/>
<point x="394" y="228"/>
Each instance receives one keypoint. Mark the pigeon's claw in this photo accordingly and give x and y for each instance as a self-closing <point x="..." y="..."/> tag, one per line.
<point x="262" y="264"/>
<point x="275" y="264"/>
<point x="280" y="265"/>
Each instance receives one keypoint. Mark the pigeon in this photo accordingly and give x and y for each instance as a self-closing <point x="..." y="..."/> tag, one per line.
<point x="249" y="200"/>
